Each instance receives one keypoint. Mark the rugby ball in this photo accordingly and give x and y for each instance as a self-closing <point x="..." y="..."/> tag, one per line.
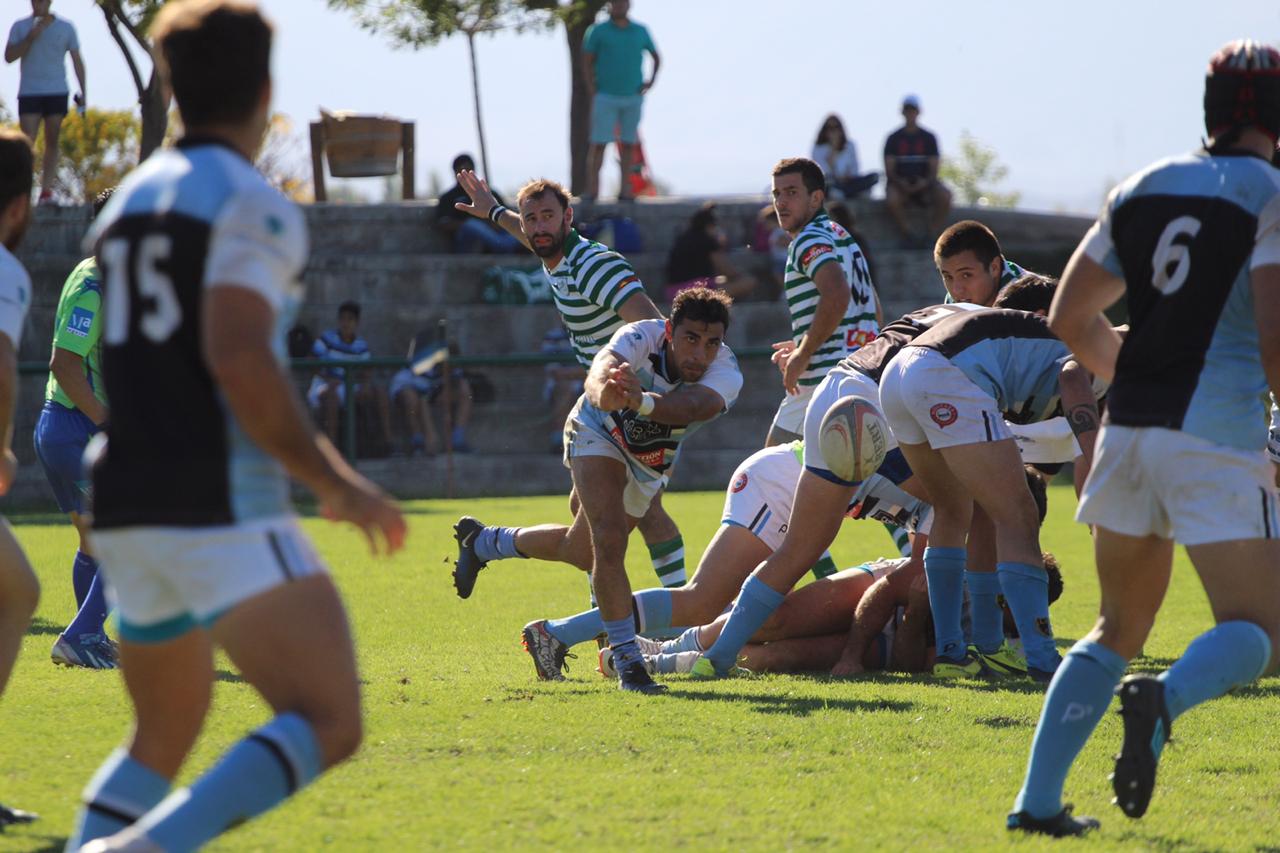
<point x="853" y="439"/>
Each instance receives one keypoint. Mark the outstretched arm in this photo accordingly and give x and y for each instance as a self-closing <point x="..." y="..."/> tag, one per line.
<point x="483" y="204"/>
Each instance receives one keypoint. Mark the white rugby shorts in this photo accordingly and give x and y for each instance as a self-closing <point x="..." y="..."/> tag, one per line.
<point x="583" y="439"/>
<point x="1151" y="481"/>
<point x="790" y="414"/>
<point x="164" y="581"/>
<point x="926" y="398"/>
<point x="836" y="385"/>
<point x="760" y="495"/>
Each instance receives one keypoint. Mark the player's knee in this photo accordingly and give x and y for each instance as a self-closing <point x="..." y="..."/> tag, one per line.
<point x="339" y="734"/>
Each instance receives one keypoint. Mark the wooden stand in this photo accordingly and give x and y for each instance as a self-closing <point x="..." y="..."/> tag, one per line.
<point x="407" y="172"/>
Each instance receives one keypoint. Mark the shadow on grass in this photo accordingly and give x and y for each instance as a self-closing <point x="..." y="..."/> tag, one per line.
<point x="799" y="706"/>
<point x="227" y="676"/>
<point x="43" y="627"/>
<point x="49" y="843"/>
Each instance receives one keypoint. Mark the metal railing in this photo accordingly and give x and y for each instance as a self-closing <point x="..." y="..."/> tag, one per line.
<point x="351" y="368"/>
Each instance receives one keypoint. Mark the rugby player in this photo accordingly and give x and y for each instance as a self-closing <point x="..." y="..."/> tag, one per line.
<point x="202" y="261"/>
<point x="19" y="590"/>
<point x="972" y="264"/>
<point x="653" y="385"/>
<point x="75" y="409"/>
<point x="828" y="289"/>
<point x="596" y="291"/>
<point x="946" y="397"/>
<point x="1192" y="243"/>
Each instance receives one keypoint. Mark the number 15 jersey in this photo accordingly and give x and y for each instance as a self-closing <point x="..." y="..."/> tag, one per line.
<point x="1185" y="234"/>
<point x="192" y="217"/>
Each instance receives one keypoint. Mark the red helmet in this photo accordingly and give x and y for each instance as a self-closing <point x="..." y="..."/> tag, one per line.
<point x="1242" y="89"/>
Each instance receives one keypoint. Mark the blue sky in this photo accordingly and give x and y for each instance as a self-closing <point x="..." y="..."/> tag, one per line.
<point x="1073" y="96"/>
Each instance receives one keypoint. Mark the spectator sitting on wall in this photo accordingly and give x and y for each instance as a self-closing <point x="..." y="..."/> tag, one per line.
<point x="835" y="152"/>
<point x="698" y="259"/>
<point x="327" y="394"/>
<point x="563" y="382"/>
<point x="466" y="234"/>
<point x="417" y="394"/>
<point x="911" y="173"/>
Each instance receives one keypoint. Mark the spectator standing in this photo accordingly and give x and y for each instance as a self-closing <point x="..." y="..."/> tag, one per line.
<point x="835" y="152"/>
<point x="327" y="394"/>
<point x="911" y="173"/>
<point x="699" y="259"/>
<point x="40" y="42"/>
<point x="466" y="234"/>
<point x="613" y="64"/>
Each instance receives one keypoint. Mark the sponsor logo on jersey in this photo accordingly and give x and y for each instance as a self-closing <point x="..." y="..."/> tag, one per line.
<point x="858" y="338"/>
<point x="80" y="322"/>
<point x="815" y="252"/>
<point x="740" y="482"/>
<point x="652" y="458"/>
<point x="944" y="414"/>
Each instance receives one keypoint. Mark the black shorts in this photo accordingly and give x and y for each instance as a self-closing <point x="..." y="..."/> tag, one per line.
<point x="43" y="105"/>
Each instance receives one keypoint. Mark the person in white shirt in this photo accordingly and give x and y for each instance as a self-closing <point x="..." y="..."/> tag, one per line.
<point x="835" y="152"/>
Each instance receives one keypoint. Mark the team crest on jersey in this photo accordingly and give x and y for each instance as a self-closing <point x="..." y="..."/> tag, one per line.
<point x="815" y="252"/>
<point x="740" y="482"/>
<point x="944" y="414"/>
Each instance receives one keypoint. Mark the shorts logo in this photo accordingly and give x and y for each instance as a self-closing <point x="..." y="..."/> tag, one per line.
<point x="814" y="252"/>
<point x="944" y="414"/>
<point x="740" y="482"/>
<point x="1042" y="625"/>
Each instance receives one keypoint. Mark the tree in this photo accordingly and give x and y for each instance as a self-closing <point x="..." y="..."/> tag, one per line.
<point x="96" y="151"/>
<point x="976" y="173"/>
<point x="284" y="161"/>
<point x="578" y="16"/>
<point x="133" y="18"/>
<point x="420" y="23"/>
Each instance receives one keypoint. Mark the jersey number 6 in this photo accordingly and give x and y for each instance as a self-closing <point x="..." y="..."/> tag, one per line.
<point x="1171" y="261"/>
<point x="161" y="318"/>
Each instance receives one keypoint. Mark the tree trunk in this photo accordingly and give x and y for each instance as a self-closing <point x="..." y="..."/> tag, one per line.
<point x="579" y="105"/>
<point x="155" y="117"/>
<point x="475" y="92"/>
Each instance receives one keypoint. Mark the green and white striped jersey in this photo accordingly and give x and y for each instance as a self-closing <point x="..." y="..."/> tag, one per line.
<point x="820" y="242"/>
<point x="589" y="285"/>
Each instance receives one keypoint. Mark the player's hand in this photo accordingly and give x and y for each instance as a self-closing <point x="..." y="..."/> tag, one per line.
<point x="781" y="351"/>
<point x="795" y="365"/>
<point x="646" y="86"/>
<point x="44" y="22"/>
<point x="482" y="199"/>
<point x="369" y="508"/>
<point x="8" y="471"/>
<point x="626" y="377"/>
<point x="847" y="668"/>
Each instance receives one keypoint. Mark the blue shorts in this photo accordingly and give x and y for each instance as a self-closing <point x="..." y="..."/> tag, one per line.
<point x="615" y="117"/>
<point x="60" y="437"/>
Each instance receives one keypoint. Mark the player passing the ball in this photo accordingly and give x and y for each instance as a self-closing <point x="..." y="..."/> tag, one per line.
<point x="192" y="519"/>
<point x="1193" y="245"/>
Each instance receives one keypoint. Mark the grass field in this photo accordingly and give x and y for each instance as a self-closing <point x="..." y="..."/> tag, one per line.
<point x="465" y="748"/>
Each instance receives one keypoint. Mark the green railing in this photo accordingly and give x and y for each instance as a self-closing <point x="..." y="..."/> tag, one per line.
<point x="36" y="368"/>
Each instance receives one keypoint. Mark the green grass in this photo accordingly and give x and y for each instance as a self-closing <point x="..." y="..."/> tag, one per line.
<point x="465" y="748"/>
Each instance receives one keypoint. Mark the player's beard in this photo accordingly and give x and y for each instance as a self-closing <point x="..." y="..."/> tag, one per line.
<point x="549" y="249"/>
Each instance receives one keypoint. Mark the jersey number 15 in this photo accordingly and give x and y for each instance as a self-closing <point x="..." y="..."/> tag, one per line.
<point x="161" y="312"/>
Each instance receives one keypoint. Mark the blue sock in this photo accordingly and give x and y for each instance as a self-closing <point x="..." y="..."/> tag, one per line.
<point x="1078" y="697"/>
<point x="120" y="792"/>
<point x="756" y="603"/>
<point x="255" y="775"/>
<point x="984" y="610"/>
<point x="944" y="571"/>
<point x="687" y="642"/>
<point x="577" y="629"/>
<point x="652" y="609"/>
<point x="622" y="639"/>
<point x="83" y="569"/>
<point x="93" y="612"/>
<point x="1026" y="589"/>
<point x="1229" y="655"/>
<point x="497" y="543"/>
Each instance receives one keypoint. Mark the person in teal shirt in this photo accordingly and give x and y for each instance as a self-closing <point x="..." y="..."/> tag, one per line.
<point x="613" y="65"/>
<point x="75" y="408"/>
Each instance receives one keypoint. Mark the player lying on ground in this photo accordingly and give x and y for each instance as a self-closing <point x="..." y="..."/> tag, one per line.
<point x="596" y="291"/>
<point x="1193" y="244"/>
<point x="757" y="506"/>
<point x="946" y="397"/>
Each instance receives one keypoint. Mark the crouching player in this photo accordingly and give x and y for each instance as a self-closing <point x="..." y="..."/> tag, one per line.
<point x="1193" y="243"/>
<point x="653" y="385"/>
<point x="192" y="522"/>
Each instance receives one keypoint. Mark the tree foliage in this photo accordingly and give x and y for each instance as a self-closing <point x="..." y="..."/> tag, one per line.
<point x="128" y="22"/>
<point x="976" y="174"/>
<point x="95" y="151"/>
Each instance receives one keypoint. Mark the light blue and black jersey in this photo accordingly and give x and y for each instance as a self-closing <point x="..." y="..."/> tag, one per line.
<point x="1011" y="355"/>
<point x="189" y="218"/>
<point x="1185" y="234"/>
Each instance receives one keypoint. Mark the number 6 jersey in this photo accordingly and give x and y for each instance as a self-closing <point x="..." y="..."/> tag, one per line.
<point x="1185" y="234"/>
<point x="192" y="217"/>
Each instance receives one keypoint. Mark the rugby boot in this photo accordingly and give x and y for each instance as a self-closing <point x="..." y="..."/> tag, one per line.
<point x="1147" y="728"/>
